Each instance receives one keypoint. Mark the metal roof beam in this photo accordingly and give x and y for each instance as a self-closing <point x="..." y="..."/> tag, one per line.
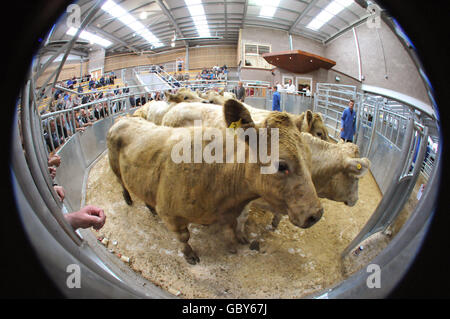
<point x="172" y="19"/>
<point x="226" y="19"/>
<point x="302" y="15"/>
<point x="113" y="37"/>
<point x="244" y="14"/>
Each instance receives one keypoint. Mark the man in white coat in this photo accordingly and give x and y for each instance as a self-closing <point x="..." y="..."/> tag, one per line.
<point x="291" y="87"/>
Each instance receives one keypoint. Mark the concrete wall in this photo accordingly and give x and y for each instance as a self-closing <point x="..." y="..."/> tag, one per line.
<point x="402" y="74"/>
<point x="279" y="41"/>
<point x="96" y="59"/>
<point x="69" y="70"/>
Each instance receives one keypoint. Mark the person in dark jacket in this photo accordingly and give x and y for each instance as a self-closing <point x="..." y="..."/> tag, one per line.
<point x="240" y="92"/>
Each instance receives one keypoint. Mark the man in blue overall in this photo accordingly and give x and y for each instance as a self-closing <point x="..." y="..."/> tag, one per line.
<point x="348" y="123"/>
<point x="276" y="99"/>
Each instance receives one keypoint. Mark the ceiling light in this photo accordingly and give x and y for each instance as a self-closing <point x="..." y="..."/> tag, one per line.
<point x="121" y="14"/>
<point x="143" y="15"/>
<point x="197" y="12"/>
<point x="328" y="13"/>
<point x="92" y="38"/>
<point x="268" y="7"/>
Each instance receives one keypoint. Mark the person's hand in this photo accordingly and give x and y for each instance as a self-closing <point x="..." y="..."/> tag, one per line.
<point x="52" y="172"/>
<point x="342" y="129"/>
<point x="59" y="191"/>
<point x="88" y="216"/>
<point x="54" y="160"/>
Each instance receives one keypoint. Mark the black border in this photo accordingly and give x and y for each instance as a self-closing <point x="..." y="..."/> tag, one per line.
<point x="22" y="274"/>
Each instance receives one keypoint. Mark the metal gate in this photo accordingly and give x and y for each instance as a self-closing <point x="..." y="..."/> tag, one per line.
<point x="331" y="100"/>
<point x="383" y="124"/>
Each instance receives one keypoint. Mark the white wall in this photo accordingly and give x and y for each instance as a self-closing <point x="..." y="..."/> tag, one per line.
<point x="96" y="59"/>
<point x="402" y="74"/>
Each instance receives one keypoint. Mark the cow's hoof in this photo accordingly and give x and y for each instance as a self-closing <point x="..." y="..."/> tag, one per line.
<point x="127" y="198"/>
<point x="192" y="258"/>
<point x="152" y="210"/>
<point x="231" y="249"/>
<point x="254" y="245"/>
<point x="241" y="238"/>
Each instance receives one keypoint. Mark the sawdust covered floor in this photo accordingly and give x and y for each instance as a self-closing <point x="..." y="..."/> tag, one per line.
<point x="291" y="263"/>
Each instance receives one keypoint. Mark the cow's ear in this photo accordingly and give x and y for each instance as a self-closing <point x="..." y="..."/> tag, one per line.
<point x="235" y="112"/>
<point x="173" y="98"/>
<point x="298" y="120"/>
<point x="308" y="120"/>
<point x="357" y="167"/>
<point x="221" y="92"/>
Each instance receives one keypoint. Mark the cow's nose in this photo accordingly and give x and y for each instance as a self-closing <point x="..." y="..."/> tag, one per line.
<point x="350" y="203"/>
<point x="313" y="219"/>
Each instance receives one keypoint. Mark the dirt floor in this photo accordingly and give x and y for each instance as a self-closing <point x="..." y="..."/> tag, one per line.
<point x="291" y="262"/>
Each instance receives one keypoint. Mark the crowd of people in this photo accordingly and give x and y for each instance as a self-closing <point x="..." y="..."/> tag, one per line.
<point x="59" y="127"/>
<point x="215" y="73"/>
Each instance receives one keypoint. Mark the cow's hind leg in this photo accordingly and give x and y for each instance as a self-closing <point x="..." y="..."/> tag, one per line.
<point x="240" y="226"/>
<point x="276" y="220"/>
<point x="115" y="167"/>
<point x="229" y="231"/>
<point x="179" y="226"/>
<point x="189" y="254"/>
<point x="126" y="196"/>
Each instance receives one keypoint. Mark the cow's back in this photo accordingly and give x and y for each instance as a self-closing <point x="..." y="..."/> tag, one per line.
<point x="157" y="110"/>
<point x="185" y="115"/>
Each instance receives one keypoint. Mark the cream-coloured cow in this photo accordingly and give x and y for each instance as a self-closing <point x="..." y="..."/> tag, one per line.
<point x="141" y="156"/>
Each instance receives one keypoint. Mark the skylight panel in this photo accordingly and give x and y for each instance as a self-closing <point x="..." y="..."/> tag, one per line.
<point x="121" y="14"/>
<point x="85" y="35"/>
<point x="328" y="13"/>
<point x="268" y="7"/>
<point x="197" y="12"/>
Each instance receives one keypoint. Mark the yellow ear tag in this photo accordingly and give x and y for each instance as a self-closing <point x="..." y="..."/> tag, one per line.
<point x="235" y="125"/>
<point x="358" y="166"/>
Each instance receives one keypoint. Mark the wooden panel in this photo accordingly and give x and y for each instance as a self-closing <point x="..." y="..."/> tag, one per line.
<point x="298" y="61"/>
<point x="69" y="70"/>
<point x="199" y="57"/>
<point x="207" y="57"/>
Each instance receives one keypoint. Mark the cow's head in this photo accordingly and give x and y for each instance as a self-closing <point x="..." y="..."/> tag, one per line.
<point x="218" y="98"/>
<point x="288" y="188"/>
<point x="184" y="95"/>
<point x="341" y="183"/>
<point x="312" y="123"/>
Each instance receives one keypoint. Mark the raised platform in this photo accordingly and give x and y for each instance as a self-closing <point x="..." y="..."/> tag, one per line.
<point x="298" y="61"/>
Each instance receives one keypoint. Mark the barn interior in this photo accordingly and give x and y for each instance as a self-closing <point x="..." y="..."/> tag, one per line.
<point x="332" y="51"/>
